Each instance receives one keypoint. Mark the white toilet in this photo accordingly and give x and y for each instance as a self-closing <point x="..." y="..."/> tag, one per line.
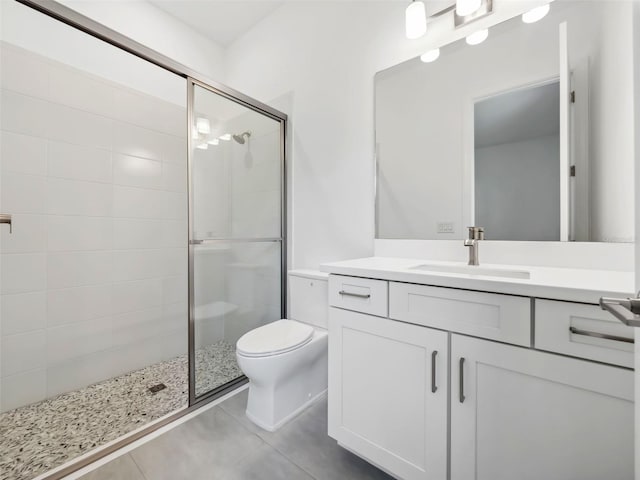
<point x="286" y="360"/>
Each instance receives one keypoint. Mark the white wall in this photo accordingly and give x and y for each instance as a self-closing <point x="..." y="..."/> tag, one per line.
<point x="612" y="144"/>
<point x="323" y="56"/>
<point x="158" y="30"/>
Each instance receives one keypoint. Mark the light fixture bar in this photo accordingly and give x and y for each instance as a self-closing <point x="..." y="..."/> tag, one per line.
<point x="467" y="7"/>
<point x="486" y="8"/>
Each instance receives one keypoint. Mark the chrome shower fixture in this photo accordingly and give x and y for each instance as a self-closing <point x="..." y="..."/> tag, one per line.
<point x="240" y="138"/>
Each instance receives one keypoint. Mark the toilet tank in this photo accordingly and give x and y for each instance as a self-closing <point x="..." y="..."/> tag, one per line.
<point x="309" y="297"/>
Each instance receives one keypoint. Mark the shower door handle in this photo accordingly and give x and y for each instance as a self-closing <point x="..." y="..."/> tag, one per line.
<point x="6" y="218"/>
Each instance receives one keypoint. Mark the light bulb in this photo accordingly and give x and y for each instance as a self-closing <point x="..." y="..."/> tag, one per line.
<point x="213" y="141"/>
<point x="202" y="146"/>
<point x="535" y="14"/>
<point x="203" y="126"/>
<point x="226" y="137"/>
<point x="415" y="20"/>
<point x="467" y="7"/>
<point x="478" y="37"/>
<point x="430" y="56"/>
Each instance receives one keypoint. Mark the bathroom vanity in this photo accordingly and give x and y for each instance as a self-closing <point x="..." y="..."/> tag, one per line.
<point x="435" y="374"/>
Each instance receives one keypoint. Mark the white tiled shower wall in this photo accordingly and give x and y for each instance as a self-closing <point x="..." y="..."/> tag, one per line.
<point x="94" y="276"/>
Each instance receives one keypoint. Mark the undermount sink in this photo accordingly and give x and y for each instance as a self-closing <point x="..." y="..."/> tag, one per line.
<point x="472" y="270"/>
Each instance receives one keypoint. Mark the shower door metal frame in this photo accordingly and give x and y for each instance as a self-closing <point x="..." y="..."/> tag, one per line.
<point x="282" y="119"/>
<point x="95" y="29"/>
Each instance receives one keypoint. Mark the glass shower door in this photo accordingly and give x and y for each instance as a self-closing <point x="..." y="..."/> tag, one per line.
<point x="236" y="239"/>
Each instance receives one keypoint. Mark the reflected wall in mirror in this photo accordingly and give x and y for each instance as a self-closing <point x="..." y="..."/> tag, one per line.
<point x="480" y="137"/>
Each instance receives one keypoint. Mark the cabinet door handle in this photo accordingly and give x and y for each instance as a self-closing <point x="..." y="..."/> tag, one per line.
<point x="462" y="397"/>
<point x="434" y="387"/>
<point x="605" y="336"/>
<point x="350" y="294"/>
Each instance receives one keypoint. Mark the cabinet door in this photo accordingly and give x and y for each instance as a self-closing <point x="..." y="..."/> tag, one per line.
<point x="521" y="414"/>
<point x="388" y="393"/>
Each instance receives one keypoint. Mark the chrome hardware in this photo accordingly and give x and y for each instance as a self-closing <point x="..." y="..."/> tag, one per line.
<point x="475" y="234"/>
<point x="434" y="387"/>
<point x="204" y="241"/>
<point x="359" y="295"/>
<point x="605" y="336"/>
<point x="627" y="310"/>
<point x="6" y="218"/>
<point x="461" y="397"/>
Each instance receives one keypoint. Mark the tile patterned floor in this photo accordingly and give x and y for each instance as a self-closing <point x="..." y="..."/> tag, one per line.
<point x="221" y="444"/>
<point x="38" y="437"/>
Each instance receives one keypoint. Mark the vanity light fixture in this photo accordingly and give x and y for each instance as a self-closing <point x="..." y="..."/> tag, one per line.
<point x="535" y="14"/>
<point x="478" y="37"/>
<point x="226" y="137"/>
<point x="202" y="146"/>
<point x="213" y="141"/>
<point x="467" y="7"/>
<point x="430" y="56"/>
<point x="415" y="20"/>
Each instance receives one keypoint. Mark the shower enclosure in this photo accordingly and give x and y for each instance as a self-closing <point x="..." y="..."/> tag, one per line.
<point x="147" y="235"/>
<point x="236" y="234"/>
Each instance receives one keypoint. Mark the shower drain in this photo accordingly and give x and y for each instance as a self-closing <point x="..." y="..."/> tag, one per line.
<point x="157" y="388"/>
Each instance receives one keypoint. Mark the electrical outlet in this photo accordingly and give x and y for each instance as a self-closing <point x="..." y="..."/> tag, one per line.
<point x="446" y="227"/>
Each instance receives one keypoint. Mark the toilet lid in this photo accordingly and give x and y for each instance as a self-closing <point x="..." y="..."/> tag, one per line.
<point x="276" y="337"/>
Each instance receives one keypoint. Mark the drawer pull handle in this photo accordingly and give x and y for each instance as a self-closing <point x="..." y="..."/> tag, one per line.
<point x="462" y="397"/>
<point x="434" y="387"/>
<point x="359" y="295"/>
<point x="605" y="336"/>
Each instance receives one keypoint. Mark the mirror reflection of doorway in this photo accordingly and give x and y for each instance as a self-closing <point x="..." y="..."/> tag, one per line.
<point x="517" y="164"/>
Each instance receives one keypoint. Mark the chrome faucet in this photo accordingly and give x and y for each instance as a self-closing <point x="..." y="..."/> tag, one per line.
<point x="475" y="235"/>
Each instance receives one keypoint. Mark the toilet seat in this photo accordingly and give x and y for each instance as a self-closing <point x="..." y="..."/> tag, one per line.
<point x="274" y="338"/>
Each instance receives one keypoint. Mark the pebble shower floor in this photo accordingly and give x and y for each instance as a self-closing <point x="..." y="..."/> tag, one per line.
<point x="38" y="437"/>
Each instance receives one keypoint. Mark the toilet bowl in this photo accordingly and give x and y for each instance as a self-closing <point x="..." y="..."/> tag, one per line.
<point x="286" y="360"/>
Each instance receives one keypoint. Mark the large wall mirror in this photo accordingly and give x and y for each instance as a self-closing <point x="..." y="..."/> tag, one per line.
<point x="528" y="134"/>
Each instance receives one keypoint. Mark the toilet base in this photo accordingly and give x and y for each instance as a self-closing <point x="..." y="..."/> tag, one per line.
<point x="291" y="416"/>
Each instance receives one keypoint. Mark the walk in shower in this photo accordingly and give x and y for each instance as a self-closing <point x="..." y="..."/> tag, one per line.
<point x="146" y="236"/>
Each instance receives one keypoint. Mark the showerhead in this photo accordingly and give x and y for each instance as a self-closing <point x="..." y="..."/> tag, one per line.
<point x="240" y="138"/>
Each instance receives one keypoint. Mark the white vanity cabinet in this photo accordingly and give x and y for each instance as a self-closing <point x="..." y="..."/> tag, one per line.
<point x="518" y="413"/>
<point x="388" y="393"/>
<point x="504" y="408"/>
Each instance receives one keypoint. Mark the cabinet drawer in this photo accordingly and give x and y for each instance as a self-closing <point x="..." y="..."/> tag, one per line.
<point x="574" y="329"/>
<point x="358" y="294"/>
<point x="489" y="315"/>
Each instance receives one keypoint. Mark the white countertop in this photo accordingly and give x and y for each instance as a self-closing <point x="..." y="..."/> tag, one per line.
<point x="571" y="284"/>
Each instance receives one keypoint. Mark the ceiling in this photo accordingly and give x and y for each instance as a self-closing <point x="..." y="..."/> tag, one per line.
<point x="518" y="115"/>
<point x="223" y="22"/>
